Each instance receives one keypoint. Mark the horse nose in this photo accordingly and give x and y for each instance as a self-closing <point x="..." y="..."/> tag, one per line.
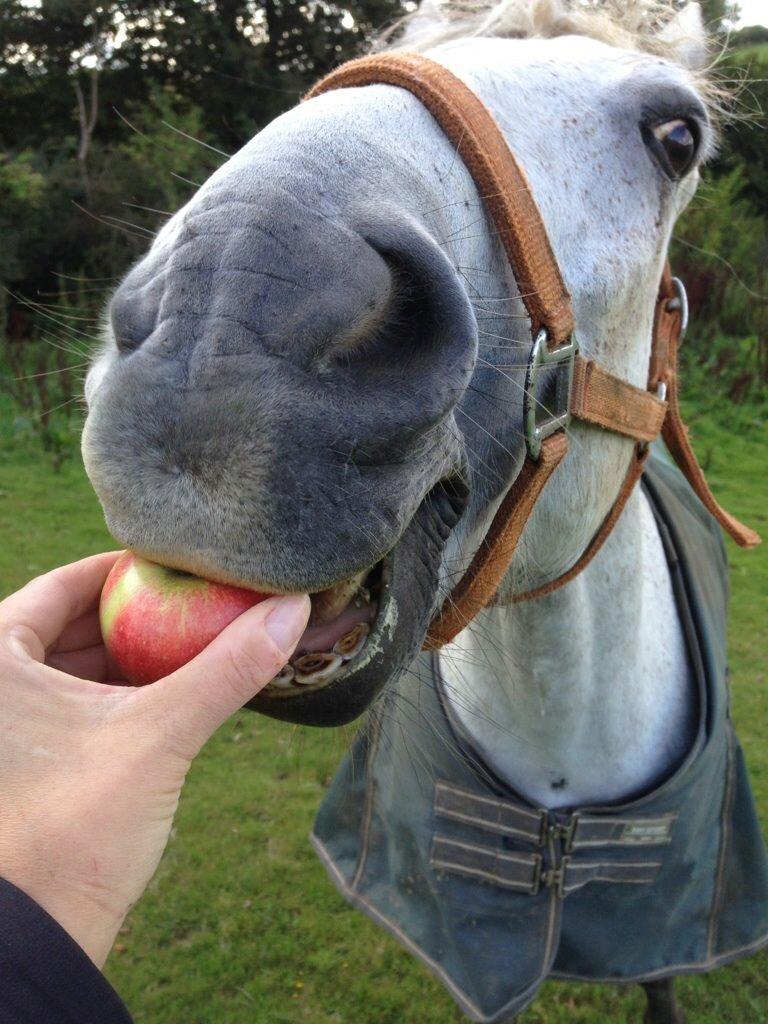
<point x="368" y="314"/>
<point x="419" y="343"/>
<point x="279" y="389"/>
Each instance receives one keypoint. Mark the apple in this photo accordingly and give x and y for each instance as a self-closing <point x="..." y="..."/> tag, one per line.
<point x="155" y="619"/>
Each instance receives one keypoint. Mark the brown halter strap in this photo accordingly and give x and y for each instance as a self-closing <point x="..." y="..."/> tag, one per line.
<point x="586" y="391"/>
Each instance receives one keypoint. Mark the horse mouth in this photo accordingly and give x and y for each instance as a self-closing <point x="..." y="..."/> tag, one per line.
<point x="345" y="626"/>
<point x="364" y="632"/>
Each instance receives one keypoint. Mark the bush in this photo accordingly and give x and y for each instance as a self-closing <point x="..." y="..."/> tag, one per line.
<point x="720" y="249"/>
<point x="41" y="376"/>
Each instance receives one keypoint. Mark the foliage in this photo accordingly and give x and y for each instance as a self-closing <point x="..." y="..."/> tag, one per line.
<point x="721" y="246"/>
<point x="20" y="182"/>
<point x="216" y="69"/>
<point x="103" y="101"/>
<point x="40" y="378"/>
<point x="744" y="143"/>
<point x="715" y="12"/>
<point x="163" y="152"/>
<point x="22" y="187"/>
<point x="752" y="35"/>
<point x="721" y="253"/>
<point x="238" y="60"/>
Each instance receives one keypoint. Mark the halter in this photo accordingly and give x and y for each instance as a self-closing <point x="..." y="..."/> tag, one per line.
<point x="583" y="389"/>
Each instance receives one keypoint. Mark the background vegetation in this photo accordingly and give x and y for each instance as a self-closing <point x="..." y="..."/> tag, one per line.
<point x="101" y="103"/>
<point x="114" y="111"/>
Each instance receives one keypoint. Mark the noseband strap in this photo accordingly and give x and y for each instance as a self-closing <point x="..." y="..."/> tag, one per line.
<point x="500" y="180"/>
<point x="592" y="394"/>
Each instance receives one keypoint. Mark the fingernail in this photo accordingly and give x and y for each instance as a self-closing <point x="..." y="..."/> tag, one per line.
<point x="286" y="622"/>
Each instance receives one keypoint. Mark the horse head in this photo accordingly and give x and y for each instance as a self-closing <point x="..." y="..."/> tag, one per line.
<point x="313" y="380"/>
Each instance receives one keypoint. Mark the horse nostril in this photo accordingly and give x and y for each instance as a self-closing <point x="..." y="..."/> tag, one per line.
<point x="420" y="323"/>
<point x="126" y="342"/>
<point x="132" y="319"/>
<point x="405" y="369"/>
<point x="379" y="329"/>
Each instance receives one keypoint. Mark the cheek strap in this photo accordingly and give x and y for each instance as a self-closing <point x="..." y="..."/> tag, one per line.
<point x="593" y="395"/>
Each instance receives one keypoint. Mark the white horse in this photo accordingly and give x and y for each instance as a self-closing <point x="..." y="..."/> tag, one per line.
<point x="316" y="240"/>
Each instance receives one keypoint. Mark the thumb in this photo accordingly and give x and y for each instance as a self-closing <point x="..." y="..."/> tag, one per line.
<point x="198" y="697"/>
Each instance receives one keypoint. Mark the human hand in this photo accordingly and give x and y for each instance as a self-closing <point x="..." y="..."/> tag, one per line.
<point x="91" y="773"/>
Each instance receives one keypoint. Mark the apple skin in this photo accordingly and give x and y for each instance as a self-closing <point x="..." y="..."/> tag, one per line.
<point x="155" y="619"/>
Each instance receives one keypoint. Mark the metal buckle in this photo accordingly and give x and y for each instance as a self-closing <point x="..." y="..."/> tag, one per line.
<point x="553" y="878"/>
<point x="541" y="355"/>
<point x="680" y="301"/>
<point x="559" y="830"/>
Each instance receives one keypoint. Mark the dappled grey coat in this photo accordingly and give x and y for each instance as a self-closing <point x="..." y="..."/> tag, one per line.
<point x="494" y="894"/>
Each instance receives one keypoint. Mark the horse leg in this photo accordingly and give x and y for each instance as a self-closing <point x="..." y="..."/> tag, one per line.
<point x="663" y="1007"/>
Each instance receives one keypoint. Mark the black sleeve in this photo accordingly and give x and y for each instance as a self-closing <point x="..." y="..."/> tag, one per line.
<point x="45" y="977"/>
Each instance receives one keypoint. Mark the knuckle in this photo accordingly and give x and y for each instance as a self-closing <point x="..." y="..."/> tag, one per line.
<point x="167" y="734"/>
<point x="19" y="643"/>
<point x="248" y="669"/>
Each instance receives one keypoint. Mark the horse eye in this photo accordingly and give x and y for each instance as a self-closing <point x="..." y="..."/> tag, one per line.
<point x="675" y="144"/>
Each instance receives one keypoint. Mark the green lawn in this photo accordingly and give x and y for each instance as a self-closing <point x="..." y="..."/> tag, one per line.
<point x="240" y="925"/>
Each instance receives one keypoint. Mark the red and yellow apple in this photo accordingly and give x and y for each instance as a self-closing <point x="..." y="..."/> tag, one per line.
<point x="155" y="619"/>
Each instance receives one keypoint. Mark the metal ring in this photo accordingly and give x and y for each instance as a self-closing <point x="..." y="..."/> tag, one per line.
<point x="680" y="301"/>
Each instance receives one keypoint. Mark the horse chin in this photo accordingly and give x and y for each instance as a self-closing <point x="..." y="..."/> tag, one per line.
<point x="382" y="626"/>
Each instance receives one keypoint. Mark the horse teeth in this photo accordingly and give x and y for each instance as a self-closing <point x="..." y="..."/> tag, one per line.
<point x="328" y="604"/>
<point x="350" y="645"/>
<point x="318" y="667"/>
<point x="284" y="678"/>
<point x="362" y="597"/>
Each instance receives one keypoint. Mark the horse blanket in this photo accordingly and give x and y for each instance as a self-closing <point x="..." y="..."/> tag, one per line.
<point x="495" y="894"/>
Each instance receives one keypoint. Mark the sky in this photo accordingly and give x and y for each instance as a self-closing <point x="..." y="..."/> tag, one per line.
<point x="753" y="12"/>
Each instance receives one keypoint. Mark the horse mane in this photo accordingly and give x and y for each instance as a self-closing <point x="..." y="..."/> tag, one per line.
<point x="637" y="25"/>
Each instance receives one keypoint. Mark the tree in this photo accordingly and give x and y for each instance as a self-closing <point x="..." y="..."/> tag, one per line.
<point x="219" y="69"/>
<point x="718" y="13"/>
<point x="744" y="141"/>
<point x="22" y="187"/>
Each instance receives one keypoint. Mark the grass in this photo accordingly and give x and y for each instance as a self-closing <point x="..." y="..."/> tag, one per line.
<point x="758" y="51"/>
<point x="240" y="924"/>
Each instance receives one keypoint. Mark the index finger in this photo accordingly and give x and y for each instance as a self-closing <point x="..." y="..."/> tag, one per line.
<point x="44" y="607"/>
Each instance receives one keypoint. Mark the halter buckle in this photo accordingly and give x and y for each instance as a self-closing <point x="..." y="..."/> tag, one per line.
<point x="553" y="399"/>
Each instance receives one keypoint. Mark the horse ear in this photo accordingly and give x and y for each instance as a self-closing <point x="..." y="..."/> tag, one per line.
<point x="419" y="26"/>
<point x="687" y="35"/>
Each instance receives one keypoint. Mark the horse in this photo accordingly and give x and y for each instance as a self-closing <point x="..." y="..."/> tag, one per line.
<point x="314" y="381"/>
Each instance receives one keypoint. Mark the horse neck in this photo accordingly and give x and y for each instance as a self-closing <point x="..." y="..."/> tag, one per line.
<point x="583" y="696"/>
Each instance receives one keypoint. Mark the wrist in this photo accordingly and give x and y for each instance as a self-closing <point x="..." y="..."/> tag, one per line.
<point x="92" y="928"/>
<point x="92" y="920"/>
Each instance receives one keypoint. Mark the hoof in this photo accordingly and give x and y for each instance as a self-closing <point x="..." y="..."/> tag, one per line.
<point x="678" y="1017"/>
<point x="663" y="1007"/>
